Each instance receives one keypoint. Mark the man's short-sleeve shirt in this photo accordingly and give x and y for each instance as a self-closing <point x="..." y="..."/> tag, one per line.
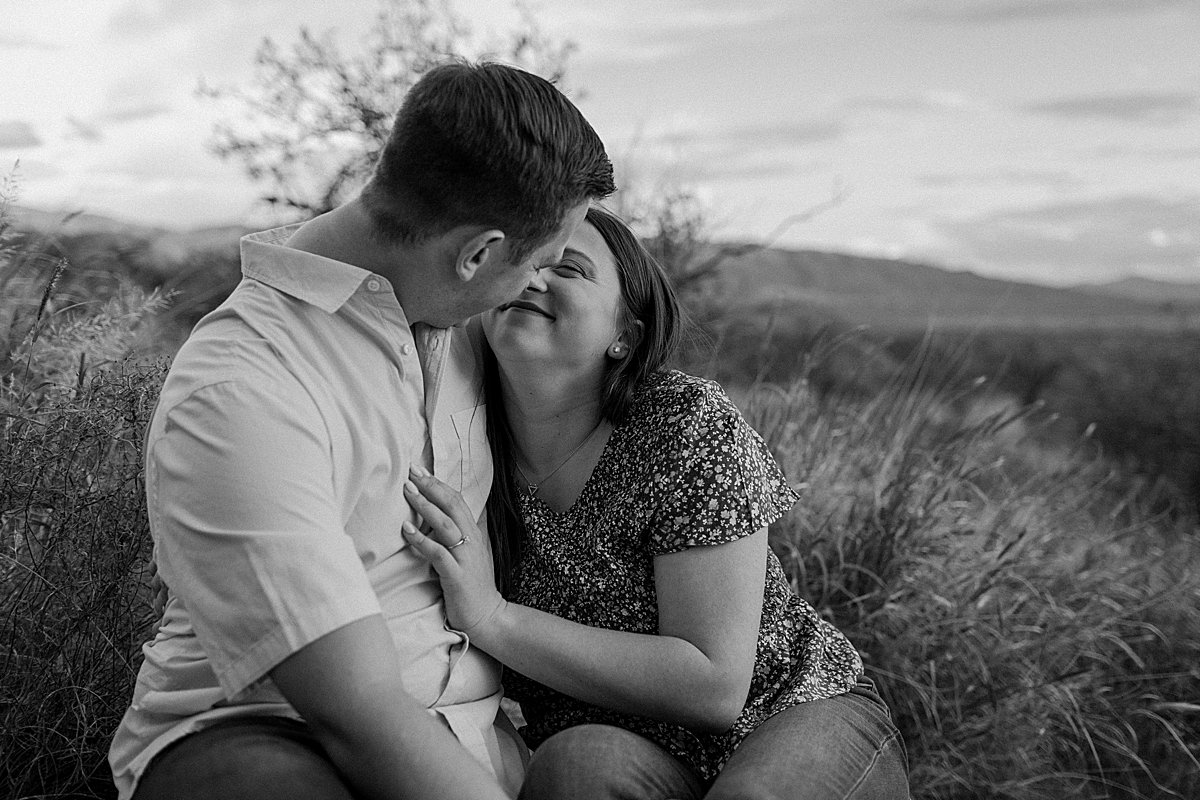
<point x="275" y="465"/>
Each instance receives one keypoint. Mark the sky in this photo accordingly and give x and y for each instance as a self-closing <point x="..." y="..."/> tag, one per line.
<point x="1051" y="141"/>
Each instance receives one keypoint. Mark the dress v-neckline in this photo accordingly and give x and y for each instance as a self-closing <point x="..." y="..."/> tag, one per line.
<point x="585" y="490"/>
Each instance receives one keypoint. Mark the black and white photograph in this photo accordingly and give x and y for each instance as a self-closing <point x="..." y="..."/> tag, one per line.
<point x="549" y="400"/>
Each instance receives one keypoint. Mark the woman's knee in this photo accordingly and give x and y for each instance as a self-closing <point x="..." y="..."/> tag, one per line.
<point x="602" y="762"/>
<point x="837" y="749"/>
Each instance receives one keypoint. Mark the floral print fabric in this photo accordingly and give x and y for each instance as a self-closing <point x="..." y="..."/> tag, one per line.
<point x="685" y="470"/>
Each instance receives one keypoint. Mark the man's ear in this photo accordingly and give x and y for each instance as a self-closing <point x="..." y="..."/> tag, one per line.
<point x="627" y="342"/>
<point x="477" y="251"/>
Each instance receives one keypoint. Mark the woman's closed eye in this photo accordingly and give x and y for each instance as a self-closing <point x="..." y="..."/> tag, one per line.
<point x="570" y="269"/>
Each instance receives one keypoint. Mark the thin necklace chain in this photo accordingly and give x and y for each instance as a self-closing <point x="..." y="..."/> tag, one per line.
<point x="531" y="487"/>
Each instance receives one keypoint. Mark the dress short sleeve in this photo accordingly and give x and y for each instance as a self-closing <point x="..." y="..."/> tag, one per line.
<point x="722" y="483"/>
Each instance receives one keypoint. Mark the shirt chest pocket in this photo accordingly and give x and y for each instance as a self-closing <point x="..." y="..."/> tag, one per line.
<point x="462" y="458"/>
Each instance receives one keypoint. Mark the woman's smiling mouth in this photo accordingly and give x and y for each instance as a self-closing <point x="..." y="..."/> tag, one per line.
<point x="523" y="305"/>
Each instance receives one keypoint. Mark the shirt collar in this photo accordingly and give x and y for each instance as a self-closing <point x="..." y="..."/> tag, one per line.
<point x="319" y="281"/>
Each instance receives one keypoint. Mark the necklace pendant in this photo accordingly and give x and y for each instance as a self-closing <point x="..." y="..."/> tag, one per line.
<point x="531" y="489"/>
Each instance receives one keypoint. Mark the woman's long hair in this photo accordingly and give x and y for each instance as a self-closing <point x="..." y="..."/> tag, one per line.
<point x="646" y="297"/>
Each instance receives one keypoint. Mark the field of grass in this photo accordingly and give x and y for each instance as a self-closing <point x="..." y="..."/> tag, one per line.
<point x="74" y="540"/>
<point x="1032" y="618"/>
<point x="1138" y="392"/>
<point x="1034" y="624"/>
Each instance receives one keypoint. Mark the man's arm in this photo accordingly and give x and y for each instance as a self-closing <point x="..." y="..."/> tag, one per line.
<point x="250" y="536"/>
<point x="347" y="687"/>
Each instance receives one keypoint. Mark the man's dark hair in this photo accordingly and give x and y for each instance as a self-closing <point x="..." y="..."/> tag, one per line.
<point x="485" y="144"/>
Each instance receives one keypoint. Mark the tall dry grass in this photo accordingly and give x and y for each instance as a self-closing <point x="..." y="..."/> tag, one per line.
<point x="73" y="532"/>
<point x="1035" y="630"/>
<point x="74" y="544"/>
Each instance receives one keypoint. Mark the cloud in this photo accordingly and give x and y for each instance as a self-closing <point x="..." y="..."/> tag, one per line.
<point x="909" y="103"/>
<point x="94" y="128"/>
<point x="81" y="129"/>
<point x="755" y="167"/>
<point x="1163" y="154"/>
<point x="136" y="19"/>
<point x="217" y="36"/>
<point x="675" y="16"/>
<point x="989" y="11"/>
<point x="924" y="102"/>
<point x="766" y="151"/>
<point x="775" y="136"/>
<point x="135" y="112"/>
<point x="698" y="152"/>
<point x="634" y="31"/>
<point x="697" y="140"/>
<point x="1144" y="107"/>
<point x="785" y="134"/>
<point x="10" y="41"/>
<point x="1006" y="176"/>
<point x="769" y="151"/>
<point x="1113" y="236"/>
<point x="31" y="170"/>
<point x="18" y="134"/>
<point x="695" y="15"/>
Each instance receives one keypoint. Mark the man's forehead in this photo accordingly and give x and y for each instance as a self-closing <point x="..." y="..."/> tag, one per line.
<point x="553" y="250"/>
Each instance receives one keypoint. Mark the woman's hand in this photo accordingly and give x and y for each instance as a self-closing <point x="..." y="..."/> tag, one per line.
<point x="455" y="547"/>
<point x="158" y="587"/>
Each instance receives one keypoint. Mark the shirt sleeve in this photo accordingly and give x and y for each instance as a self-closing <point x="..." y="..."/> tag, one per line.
<point x="248" y="528"/>
<point x="722" y="482"/>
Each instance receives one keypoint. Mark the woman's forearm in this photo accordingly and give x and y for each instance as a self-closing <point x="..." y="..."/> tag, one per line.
<point x="664" y="677"/>
<point x="694" y="671"/>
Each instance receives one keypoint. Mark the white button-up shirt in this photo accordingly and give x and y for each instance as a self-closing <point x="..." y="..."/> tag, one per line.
<point x="274" y="467"/>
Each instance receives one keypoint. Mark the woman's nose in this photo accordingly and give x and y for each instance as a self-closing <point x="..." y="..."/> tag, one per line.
<point x="537" y="282"/>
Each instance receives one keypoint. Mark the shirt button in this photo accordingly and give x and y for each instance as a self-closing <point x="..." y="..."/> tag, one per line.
<point x="406" y="349"/>
<point x="374" y="285"/>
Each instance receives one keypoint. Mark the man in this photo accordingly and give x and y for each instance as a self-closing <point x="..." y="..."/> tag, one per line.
<point x="305" y="650"/>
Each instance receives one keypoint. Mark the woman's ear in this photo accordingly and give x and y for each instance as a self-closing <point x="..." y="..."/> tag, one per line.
<point x="624" y="344"/>
<point x="477" y="251"/>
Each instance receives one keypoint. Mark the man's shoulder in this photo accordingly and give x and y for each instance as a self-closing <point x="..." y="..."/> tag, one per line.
<point x="231" y="345"/>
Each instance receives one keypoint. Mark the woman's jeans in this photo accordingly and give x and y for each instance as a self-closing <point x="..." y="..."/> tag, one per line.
<point x="836" y="749"/>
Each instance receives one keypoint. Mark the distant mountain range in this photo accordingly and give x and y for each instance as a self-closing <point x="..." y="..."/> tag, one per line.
<point x="883" y="293"/>
<point x="73" y="223"/>
<point x="1148" y="290"/>
<point x="896" y="294"/>
<point x="167" y="246"/>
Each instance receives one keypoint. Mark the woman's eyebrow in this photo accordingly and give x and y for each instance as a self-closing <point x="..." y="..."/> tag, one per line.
<point x="582" y="256"/>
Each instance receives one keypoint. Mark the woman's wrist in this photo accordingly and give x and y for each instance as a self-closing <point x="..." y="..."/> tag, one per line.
<point x="478" y="627"/>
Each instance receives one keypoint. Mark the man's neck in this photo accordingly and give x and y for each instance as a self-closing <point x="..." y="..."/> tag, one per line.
<point x="347" y="234"/>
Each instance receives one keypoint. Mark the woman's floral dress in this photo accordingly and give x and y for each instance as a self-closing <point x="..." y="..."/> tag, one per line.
<point x="685" y="470"/>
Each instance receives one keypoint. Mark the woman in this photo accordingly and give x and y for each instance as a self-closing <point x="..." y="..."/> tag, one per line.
<point x="653" y="641"/>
